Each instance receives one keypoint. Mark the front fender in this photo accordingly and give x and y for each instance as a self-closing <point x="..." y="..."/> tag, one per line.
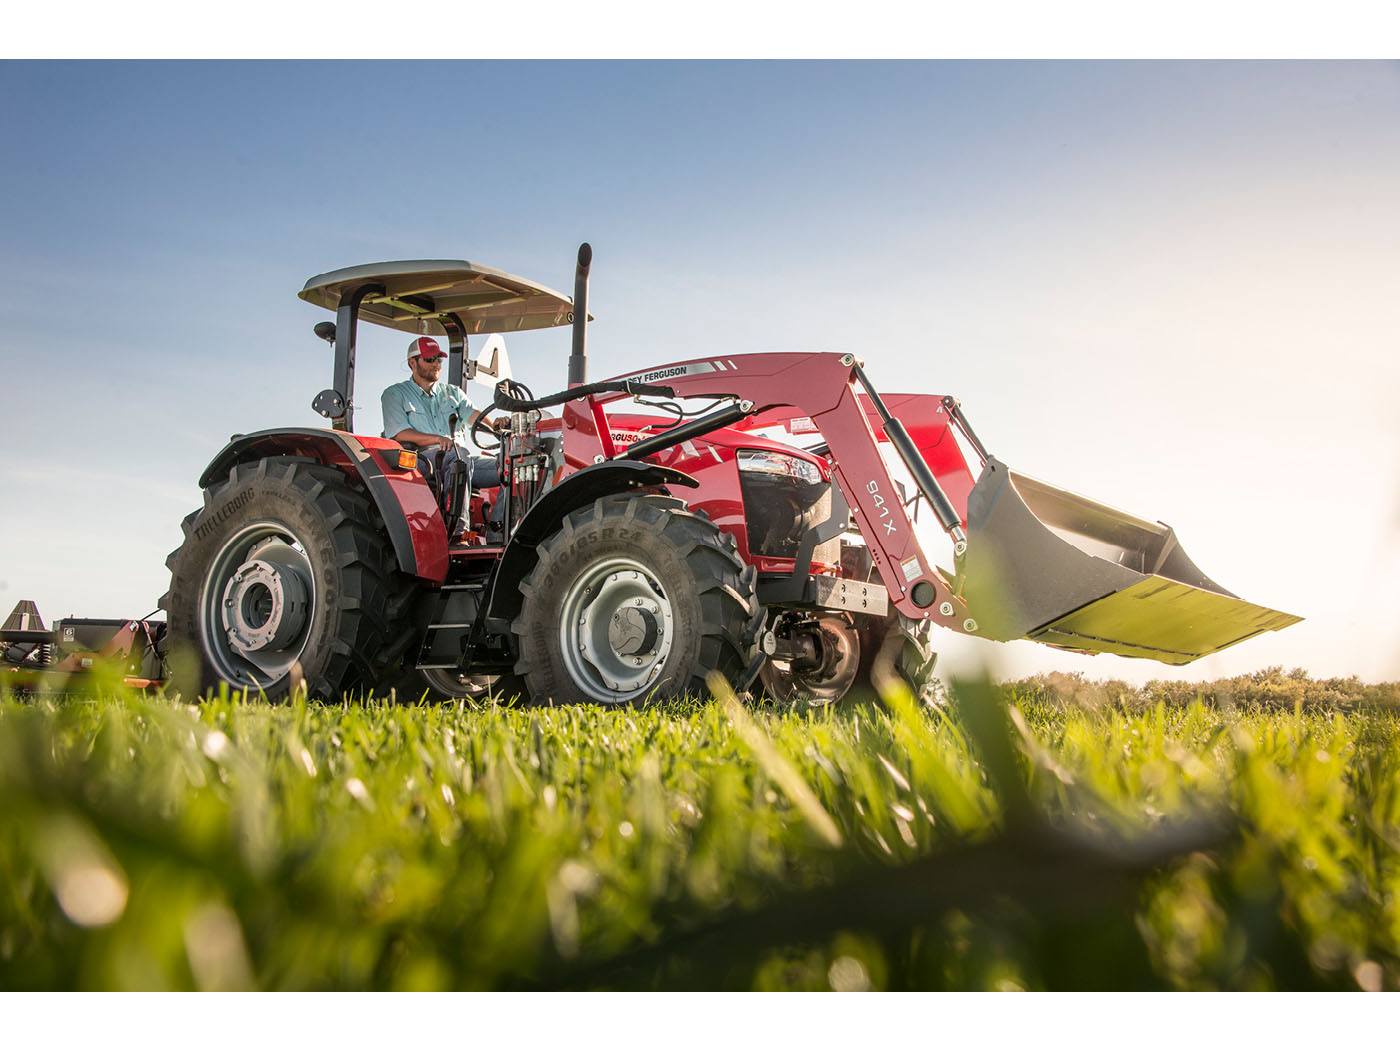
<point x="577" y="490"/>
<point x="401" y="496"/>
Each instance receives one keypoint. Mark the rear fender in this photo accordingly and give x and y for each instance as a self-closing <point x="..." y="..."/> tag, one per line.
<point x="576" y="490"/>
<point x="405" y="503"/>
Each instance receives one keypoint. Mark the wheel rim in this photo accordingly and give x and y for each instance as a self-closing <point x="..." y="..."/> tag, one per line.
<point x="459" y="684"/>
<point x="616" y="630"/>
<point x="256" y="605"/>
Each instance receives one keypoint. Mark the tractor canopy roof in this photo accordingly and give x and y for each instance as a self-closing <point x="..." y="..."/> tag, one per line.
<point x="418" y="293"/>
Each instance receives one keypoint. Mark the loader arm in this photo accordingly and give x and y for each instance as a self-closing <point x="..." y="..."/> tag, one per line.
<point x="1033" y="561"/>
<point x="822" y="387"/>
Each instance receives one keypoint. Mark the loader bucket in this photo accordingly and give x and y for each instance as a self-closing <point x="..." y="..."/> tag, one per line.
<point x="1045" y="564"/>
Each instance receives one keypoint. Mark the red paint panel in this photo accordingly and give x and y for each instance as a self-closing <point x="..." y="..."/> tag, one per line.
<point x="581" y="439"/>
<point x="927" y="422"/>
<point x="426" y="528"/>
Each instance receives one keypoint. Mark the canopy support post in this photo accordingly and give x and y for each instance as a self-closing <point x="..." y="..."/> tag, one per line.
<point x="347" y="317"/>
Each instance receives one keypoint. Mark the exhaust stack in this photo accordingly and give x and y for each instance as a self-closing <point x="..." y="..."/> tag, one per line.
<point x="578" y="359"/>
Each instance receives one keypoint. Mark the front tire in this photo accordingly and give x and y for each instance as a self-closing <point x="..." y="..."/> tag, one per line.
<point x="443" y="684"/>
<point x="285" y="578"/>
<point x="901" y="648"/>
<point x="826" y="682"/>
<point x="635" y="597"/>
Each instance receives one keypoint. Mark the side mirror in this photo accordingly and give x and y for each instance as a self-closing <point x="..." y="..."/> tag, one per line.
<point x="326" y="330"/>
<point x="492" y="360"/>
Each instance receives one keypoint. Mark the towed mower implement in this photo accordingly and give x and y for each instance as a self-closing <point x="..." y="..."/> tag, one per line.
<point x="77" y="652"/>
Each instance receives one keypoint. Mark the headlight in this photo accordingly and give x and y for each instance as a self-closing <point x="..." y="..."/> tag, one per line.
<point x="763" y="462"/>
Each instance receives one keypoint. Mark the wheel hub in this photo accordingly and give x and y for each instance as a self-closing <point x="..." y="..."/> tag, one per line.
<point x="257" y="605"/>
<point x="616" y="630"/>
<point x="634" y="630"/>
<point x="264" y="606"/>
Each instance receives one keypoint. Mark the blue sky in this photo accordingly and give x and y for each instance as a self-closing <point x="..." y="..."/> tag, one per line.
<point x="1172" y="286"/>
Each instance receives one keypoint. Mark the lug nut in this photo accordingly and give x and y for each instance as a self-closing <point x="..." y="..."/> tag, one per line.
<point x="969" y="625"/>
<point x="946" y="609"/>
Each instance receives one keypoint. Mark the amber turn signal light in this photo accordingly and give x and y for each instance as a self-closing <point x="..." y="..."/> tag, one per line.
<point x="408" y="459"/>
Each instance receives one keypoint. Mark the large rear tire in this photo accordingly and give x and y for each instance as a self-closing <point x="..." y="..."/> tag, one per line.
<point x="286" y="577"/>
<point x="635" y="598"/>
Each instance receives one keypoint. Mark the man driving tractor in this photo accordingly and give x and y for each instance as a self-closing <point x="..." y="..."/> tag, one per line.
<point x="432" y="415"/>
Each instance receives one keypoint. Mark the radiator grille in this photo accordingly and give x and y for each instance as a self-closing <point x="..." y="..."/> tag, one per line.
<point x="778" y="510"/>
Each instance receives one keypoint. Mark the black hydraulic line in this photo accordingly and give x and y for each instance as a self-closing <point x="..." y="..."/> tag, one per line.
<point x="578" y="358"/>
<point x="684" y="431"/>
<point x="509" y="403"/>
<point x="914" y="460"/>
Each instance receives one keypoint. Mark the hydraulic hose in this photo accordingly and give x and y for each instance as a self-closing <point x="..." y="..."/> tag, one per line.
<point x="680" y="432"/>
<point x="504" y="400"/>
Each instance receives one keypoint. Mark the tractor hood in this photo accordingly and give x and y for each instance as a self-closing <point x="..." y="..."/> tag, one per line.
<point x="419" y="292"/>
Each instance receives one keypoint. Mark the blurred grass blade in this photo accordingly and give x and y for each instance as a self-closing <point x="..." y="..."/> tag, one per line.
<point x="774" y="764"/>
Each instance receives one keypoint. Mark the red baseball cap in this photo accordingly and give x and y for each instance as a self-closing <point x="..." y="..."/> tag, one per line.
<point x="424" y="347"/>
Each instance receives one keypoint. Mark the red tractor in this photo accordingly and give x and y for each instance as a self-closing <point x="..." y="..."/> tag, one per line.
<point x="636" y="542"/>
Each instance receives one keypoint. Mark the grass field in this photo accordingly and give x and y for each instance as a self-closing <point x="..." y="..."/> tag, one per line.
<point x="1047" y="834"/>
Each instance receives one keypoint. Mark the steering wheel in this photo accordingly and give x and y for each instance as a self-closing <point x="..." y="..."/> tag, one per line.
<point x="480" y="423"/>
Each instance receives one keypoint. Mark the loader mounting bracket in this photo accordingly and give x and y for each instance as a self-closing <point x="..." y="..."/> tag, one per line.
<point x="833" y="593"/>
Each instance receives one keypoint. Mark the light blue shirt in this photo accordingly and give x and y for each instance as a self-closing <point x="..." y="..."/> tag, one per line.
<point x="407" y="406"/>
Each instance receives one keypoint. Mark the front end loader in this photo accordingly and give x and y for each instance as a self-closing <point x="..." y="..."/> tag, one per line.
<point x="748" y="514"/>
